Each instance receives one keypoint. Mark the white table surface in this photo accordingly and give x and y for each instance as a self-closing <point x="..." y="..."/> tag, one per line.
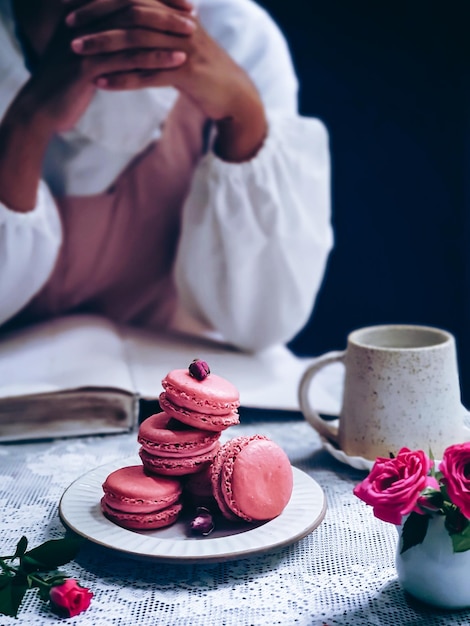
<point x="342" y="574"/>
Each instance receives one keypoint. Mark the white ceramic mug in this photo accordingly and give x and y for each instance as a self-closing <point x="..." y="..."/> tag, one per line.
<point x="401" y="389"/>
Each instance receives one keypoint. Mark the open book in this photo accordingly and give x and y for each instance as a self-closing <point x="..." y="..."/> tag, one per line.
<point x="83" y="374"/>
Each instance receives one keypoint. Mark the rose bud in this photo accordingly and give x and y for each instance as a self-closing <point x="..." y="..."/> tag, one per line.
<point x="199" y="369"/>
<point x="70" y="598"/>
<point x="202" y="524"/>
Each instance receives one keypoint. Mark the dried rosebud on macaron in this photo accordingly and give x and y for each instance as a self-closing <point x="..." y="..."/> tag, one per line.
<point x="208" y="404"/>
<point x="199" y="369"/>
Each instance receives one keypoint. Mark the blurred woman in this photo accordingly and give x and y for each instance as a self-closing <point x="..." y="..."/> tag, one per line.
<point x="154" y="169"/>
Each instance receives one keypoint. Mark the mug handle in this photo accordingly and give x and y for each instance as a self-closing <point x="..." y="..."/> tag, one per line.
<point x="324" y="428"/>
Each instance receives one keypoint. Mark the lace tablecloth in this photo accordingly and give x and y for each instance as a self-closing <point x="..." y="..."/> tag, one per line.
<point x="342" y="574"/>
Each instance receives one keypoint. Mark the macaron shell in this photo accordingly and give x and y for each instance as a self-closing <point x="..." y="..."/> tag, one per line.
<point x="200" y="484"/>
<point x="213" y="395"/>
<point x="197" y="489"/>
<point x="132" y="490"/>
<point x="202" y="421"/>
<point x="142" y="521"/>
<point x="256" y="478"/>
<point x="172" y="466"/>
<point x="162" y="435"/>
<point x="217" y="490"/>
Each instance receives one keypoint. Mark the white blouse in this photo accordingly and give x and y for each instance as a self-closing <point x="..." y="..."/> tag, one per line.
<point x="265" y="223"/>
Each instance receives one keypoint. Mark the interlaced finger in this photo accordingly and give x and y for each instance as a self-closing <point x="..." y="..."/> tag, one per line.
<point x="143" y="18"/>
<point x="133" y="60"/>
<point x="112" y="41"/>
<point x="90" y="12"/>
<point x="137" y="79"/>
<point x="182" y="5"/>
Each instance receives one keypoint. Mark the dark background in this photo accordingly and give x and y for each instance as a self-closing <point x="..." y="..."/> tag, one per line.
<point x="390" y="81"/>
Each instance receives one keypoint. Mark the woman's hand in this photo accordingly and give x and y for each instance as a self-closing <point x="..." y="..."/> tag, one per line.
<point x="58" y="92"/>
<point x="63" y="82"/>
<point x="128" y="39"/>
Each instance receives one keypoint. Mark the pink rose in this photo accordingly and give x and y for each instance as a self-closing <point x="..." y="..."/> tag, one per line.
<point x="70" y="598"/>
<point x="455" y="468"/>
<point x="393" y="486"/>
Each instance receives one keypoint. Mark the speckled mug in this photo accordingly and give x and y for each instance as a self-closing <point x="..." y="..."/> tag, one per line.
<point x="401" y="389"/>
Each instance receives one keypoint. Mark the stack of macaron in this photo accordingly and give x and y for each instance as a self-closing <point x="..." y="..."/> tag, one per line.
<point x="179" y="442"/>
<point x="197" y="407"/>
<point x="246" y="479"/>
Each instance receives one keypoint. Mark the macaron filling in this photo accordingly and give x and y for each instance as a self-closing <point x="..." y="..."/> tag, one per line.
<point x="164" y="436"/>
<point x="177" y="466"/>
<point x="203" y="421"/>
<point x="143" y="521"/>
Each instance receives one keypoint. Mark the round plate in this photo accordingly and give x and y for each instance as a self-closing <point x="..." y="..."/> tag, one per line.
<point x="358" y="462"/>
<point x="80" y="510"/>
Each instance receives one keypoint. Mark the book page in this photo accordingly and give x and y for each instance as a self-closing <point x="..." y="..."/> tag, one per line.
<point x="266" y="380"/>
<point x="66" y="353"/>
<point x="80" y="351"/>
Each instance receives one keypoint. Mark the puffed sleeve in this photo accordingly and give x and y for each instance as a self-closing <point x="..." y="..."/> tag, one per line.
<point x="29" y="245"/>
<point x="256" y="235"/>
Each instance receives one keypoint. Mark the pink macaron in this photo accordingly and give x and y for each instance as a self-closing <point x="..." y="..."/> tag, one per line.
<point x="136" y="500"/>
<point x="172" y="448"/>
<point x="197" y="489"/>
<point x="208" y="404"/>
<point x="252" y="479"/>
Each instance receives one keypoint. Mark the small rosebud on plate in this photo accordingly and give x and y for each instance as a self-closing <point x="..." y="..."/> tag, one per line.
<point x="199" y="369"/>
<point x="202" y="524"/>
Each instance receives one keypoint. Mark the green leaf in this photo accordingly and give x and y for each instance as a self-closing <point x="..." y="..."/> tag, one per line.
<point x="44" y="593"/>
<point x="445" y="495"/>
<point x="433" y="497"/>
<point x="433" y="470"/>
<point x="44" y="584"/>
<point x="11" y="596"/>
<point x="6" y="605"/>
<point x="56" y="580"/>
<point x="29" y="565"/>
<point x="18" y="589"/>
<point x="51" y="554"/>
<point x="461" y="540"/>
<point x="414" y="530"/>
<point x="5" y="579"/>
<point x="21" y="547"/>
<point x="455" y="521"/>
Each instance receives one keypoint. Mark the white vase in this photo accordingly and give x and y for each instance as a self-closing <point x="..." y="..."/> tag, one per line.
<point x="432" y="572"/>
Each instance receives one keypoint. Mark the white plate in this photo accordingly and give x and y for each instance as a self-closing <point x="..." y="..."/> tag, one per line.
<point x="358" y="462"/>
<point x="80" y="510"/>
